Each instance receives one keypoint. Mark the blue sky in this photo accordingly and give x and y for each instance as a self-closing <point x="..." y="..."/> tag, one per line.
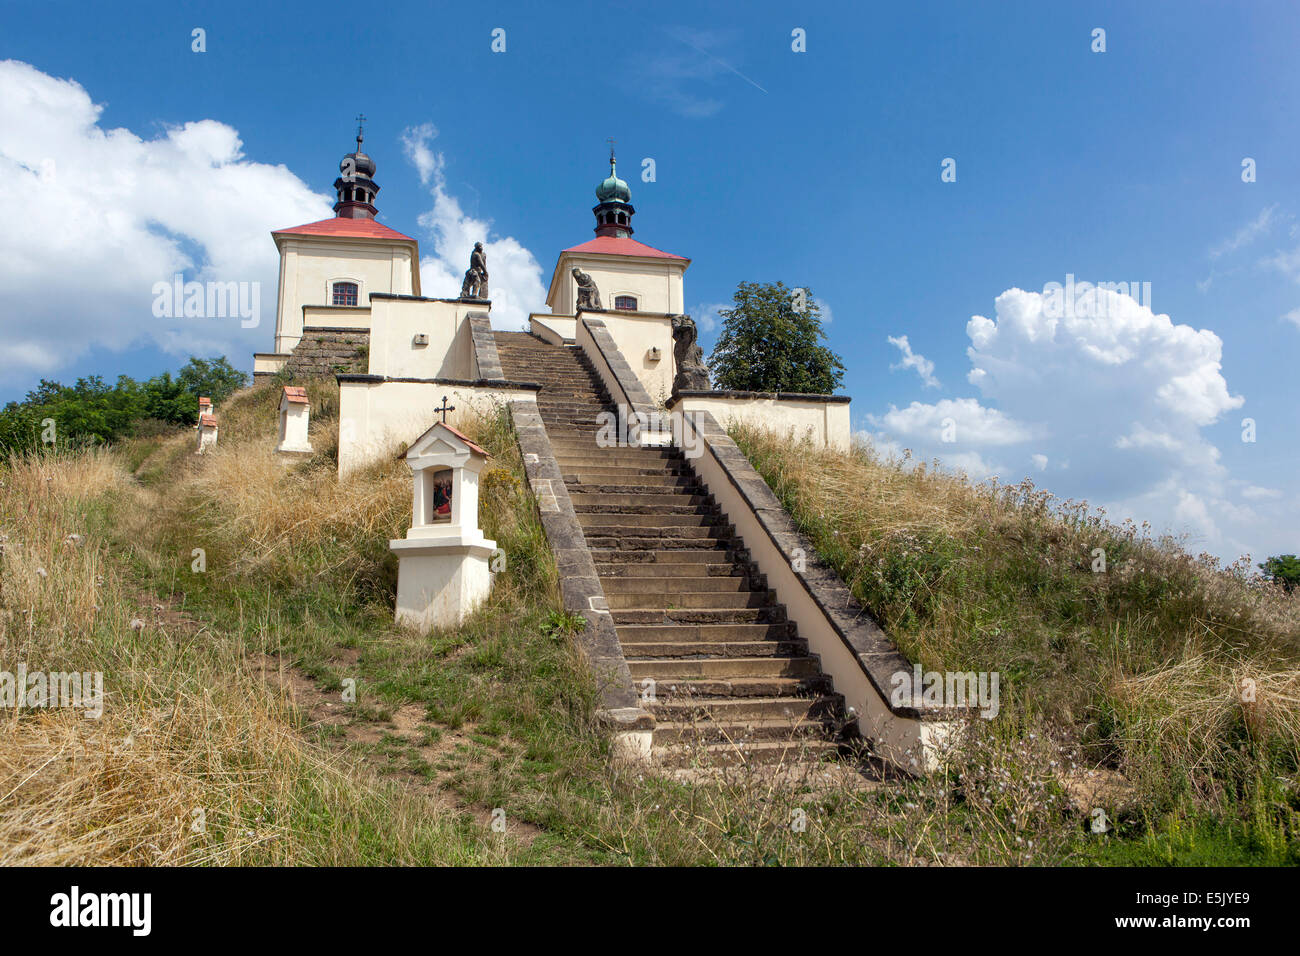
<point x="819" y="168"/>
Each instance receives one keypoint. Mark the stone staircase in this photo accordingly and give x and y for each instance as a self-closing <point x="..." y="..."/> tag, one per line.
<point x="732" y="679"/>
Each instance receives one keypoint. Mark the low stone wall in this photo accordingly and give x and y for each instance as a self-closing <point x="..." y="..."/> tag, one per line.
<point x="487" y="361"/>
<point x="632" y="725"/>
<point x="378" y="413"/>
<point x="329" y="351"/>
<point x="621" y="382"/>
<point x="823" y="418"/>
<point x="859" y="657"/>
<point x="555" y="329"/>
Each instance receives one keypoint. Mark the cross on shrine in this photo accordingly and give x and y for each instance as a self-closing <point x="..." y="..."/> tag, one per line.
<point x="445" y="409"/>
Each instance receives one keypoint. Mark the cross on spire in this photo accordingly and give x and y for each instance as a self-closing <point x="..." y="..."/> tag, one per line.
<point x="361" y="125"/>
<point x="611" y="142"/>
<point x="445" y="409"/>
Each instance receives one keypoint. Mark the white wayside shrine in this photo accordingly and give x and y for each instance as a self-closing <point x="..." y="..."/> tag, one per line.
<point x="207" y="426"/>
<point x="294" y="411"/>
<point x="443" y="562"/>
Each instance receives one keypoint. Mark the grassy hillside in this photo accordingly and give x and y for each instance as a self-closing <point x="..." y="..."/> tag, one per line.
<point x="234" y="603"/>
<point x="1136" y="669"/>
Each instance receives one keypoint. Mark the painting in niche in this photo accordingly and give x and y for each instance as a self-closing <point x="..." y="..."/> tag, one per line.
<point x="437" y="495"/>
<point x="441" y="499"/>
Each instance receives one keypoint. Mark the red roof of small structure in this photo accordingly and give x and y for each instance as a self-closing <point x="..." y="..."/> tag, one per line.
<point x="296" y="394"/>
<point x="204" y="400"/>
<point x="465" y="438"/>
<point x="340" y="228"/>
<point x="622" y="246"/>
<point x="208" y="421"/>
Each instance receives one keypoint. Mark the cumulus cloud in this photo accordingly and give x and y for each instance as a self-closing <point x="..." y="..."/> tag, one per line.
<point x="106" y="214"/>
<point x="922" y="365"/>
<point x="1117" y="398"/>
<point x="515" y="277"/>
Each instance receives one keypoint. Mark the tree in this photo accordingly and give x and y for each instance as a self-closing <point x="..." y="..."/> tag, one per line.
<point x="92" y="411"/>
<point x="1283" y="569"/>
<point x="771" y="342"/>
<point x="214" y="377"/>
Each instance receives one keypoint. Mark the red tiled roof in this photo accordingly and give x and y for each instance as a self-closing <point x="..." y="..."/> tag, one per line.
<point x="621" y="246"/>
<point x="204" y="400"/>
<point x="296" y="394"/>
<point x="207" y="420"/>
<point x="345" y="229"/>
<point x="465" y="438"/>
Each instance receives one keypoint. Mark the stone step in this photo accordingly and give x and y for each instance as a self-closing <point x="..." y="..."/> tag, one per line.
<point x="708" y="691"/>
<point x="655" y="583"/>
<point x="760" y="752"/>
<point x="635" y="634"/>
<point x="677" y="557"/>
<point x="772" y="614"/>
<point x="651" y="523"/>
<point x="627" y="569"/>
<point x="730" y="709"/>
<point x="664" y="670"/>
<point x="685" y="600"/>
<point x="657" y="539"/>
<point x="747" y="649"/>
<point x="693" y="550"/>
<point x="680" y="492"/>
<point x="677" y="506"/>
<point x="737" y="731"/>
<point x="606" y="473"/>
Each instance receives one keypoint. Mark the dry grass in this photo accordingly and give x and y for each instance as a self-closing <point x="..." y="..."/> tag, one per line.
<point x="193" y="760"/>
<point x="1141" y="665"/>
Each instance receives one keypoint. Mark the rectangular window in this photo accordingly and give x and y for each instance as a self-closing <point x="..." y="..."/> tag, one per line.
<point x="345" y="293"/>
<point x="625" y="302"/>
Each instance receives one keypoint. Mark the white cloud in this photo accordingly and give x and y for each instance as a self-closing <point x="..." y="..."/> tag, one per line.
<point x="1248" y="233"/>
<point x="105" y="214"/>
<point x="969" y="422"/>
<point x="1119" y="401"/>
<point x="707" y="316"/>
<point x="1258" y="493"/>
<point x="922" y="365"/>
<point x="515" y="277"/>
<point x="1293" y="317"/>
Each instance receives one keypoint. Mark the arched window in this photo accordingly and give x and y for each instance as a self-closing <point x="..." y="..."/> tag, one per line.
<point x="625" y="302"/>
<point x="345" y="293"/>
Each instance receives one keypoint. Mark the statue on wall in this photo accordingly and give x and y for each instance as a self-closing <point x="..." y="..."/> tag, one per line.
<point x="588" y="294"/>
<point x="692" y="374"/>
<point x="475" y="285"/>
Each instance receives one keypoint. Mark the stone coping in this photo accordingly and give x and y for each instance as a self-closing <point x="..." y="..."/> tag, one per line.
<point x="579" y="583"/>
<point x="778" y="396"/>
<point x="369" y="379"/>
<point x="875" y="653"/>
<point x="637" y="397"/>
<point x="424" y="298"/>
<point x="342" y="330"/>
<point x="485" y="347"/>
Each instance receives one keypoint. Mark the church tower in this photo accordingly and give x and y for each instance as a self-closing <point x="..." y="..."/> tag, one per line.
<point x="614" y="211"/>
<point x="356" y="187"/>
<point x="329" y="269"/>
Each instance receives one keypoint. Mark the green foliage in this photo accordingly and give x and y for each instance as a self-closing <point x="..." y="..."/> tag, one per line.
<point x="767" y="345"/>
<point x="93" y="412"/>
<point x="1283" y="569"/>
